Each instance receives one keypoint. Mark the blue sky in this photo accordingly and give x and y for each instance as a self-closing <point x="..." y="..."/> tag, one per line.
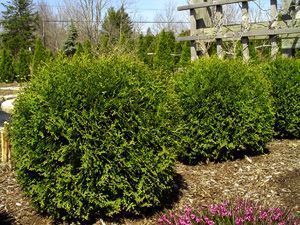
<point x="146" y="9"/>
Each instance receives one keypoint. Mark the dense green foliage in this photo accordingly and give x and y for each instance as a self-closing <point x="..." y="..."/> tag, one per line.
<point x="285" y="77"/>
<point x="185" y="56"/>
<point x="145" y="48"/>
<point x="19" y="23"/>
<point x="22" y="65"/>
<point x="71" y="43"/>
<point x="225" y="109"/>
<point x="7" y="72"/>
<point x="41" y="54"/>
<point x="87" y="137"/>
<point x="165" y="46"/>
<point x="116" y="24"/>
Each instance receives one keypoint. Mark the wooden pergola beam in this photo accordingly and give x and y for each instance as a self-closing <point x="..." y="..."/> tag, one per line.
<point x="208" y="4"/>
<point x="238" y="35"/>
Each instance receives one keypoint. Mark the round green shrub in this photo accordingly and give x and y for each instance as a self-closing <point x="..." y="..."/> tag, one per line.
<point x="226" y="109"/>
<point x="285" y="77"/>
<point x="87" y="139"/>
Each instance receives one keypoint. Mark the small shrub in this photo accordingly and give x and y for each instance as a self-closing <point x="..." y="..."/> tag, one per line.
<point x="226" y="109"/>
<point x="240" y="212"/>
<point x="285" y="77"/>
<point x="87" y="138"/>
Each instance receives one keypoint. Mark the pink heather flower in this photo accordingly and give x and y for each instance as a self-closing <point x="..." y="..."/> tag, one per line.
<point x="213" y="209"/>
<point x="188" y="210"/>
<point x="277" y="214"/>
<point x="208" y="221"/>
<point x="171" y="215"/>
<point x="239" y="221"/>
<point x="164" y="219"/>
<point x="263" y="215"/>
<point x="198" y="220"/>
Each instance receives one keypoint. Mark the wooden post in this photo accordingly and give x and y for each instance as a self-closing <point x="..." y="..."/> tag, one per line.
<point x="194" y="55"/>
<point x="200" y="19"/>
<point x="273" y="38"/>
<point x="5" y="145"/>
<point x="219" y="25"/>
<point x="245" y="28"/>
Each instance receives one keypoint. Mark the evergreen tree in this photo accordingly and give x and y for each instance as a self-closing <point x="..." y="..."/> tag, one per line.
<point x="22" y="65"/>
<point x="164" y="51"/>
<point x="117" y="25"/>
<point x="185" y="57"/>
<point x="19" y="23"/>
<point x="145" y="45"/>
<point x="7" y="73"/>
<point x="70" y="44"/>
<point x="40" y="55"/>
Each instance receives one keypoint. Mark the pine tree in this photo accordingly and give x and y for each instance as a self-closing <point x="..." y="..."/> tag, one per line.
<point x="70" y="44"/>
<point x="22" y="65"/>
<point x="7" y="73"/>
<point x="19" y="24"/>
<point x="164" y="51"/>
<point x="185" y="57"/>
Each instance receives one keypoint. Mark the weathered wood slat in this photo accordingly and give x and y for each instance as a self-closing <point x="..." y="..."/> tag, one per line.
<point x="208" y="4"/>
<point x="230" y="36"/>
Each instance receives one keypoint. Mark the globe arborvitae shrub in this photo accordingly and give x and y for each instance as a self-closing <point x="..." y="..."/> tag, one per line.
<point x="87" y="139"/>
<point x="285" y="77"/>
<point x="226" y="109"/>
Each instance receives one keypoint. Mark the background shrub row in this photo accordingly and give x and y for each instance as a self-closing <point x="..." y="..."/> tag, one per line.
<point x="100" y="136"/>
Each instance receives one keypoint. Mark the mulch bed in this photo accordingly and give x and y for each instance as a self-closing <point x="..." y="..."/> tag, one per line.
<point x="272" y="179"/>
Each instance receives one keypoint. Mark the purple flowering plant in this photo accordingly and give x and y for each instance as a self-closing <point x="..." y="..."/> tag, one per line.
<point x="241" y="212"/>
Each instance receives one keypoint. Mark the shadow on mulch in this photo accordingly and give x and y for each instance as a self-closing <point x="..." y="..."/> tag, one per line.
<point x="172" y="199"/>
<point x="238" y="155"/>
<point x="290" y="183"/>
<point x="6" y="218"/>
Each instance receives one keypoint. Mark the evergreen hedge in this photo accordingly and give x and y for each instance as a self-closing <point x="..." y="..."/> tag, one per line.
<point x="87" y="139"/>
<point x="285" y="77"/>
<point x="225" y="109"/>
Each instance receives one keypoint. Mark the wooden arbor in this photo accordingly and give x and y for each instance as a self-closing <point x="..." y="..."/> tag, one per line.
<point x="207" y="26"/>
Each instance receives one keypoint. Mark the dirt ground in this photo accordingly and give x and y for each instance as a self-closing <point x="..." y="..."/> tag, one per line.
<point x="272" y="179"/>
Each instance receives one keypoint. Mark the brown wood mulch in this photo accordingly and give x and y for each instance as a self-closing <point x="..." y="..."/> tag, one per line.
<point x="272" y="179"/>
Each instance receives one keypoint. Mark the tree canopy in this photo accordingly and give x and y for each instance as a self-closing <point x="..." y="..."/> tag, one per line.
<point x="117" y="24"/>
<point x="19" y="24"/>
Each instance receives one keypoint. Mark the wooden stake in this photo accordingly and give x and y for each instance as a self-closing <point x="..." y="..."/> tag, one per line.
<point x="5" y="145"/>
<point x="245" y="28"/>
<point x="194" y="55"/>
<point x="219" y="25"/>
<point x="273" y="38"/>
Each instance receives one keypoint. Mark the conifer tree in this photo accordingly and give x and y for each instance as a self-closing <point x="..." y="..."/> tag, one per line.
<point x="185" y="57"/>
<point x="164" y="51"/>
<point x="40" y="55"/>
<point x="19" y="24"/>
<point x="7" y="73"/>
<point x="70" y="44"/>
<point x="117" y="25"/>
<point x="145" y="45"/>
<point x="22" y="65"/>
